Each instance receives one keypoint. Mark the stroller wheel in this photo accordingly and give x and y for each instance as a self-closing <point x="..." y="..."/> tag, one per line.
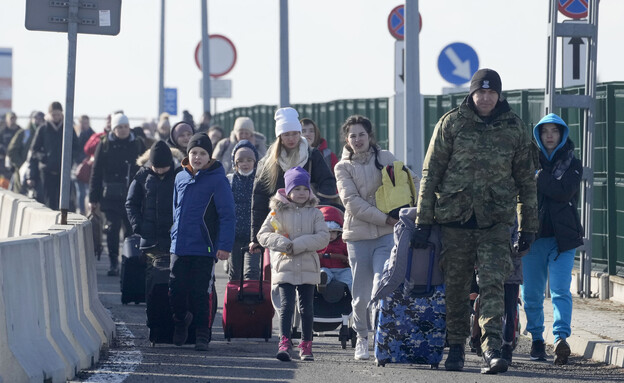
<point x="353" y="337"/>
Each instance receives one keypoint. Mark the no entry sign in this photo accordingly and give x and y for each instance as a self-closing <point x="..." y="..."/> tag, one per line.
<point x="576" y="9"/>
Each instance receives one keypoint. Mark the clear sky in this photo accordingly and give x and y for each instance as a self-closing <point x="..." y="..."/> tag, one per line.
<point x="338" y="49"/>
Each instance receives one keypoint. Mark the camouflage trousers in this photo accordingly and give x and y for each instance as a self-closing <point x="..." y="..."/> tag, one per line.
<point x="489" y="250"/>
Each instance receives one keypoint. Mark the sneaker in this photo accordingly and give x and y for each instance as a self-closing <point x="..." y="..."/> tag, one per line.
<point x="538" y="350"/>
<point x="507" y="353"/>
<point x="455" y="359"/>
<point x="493" y="363"/>
<point x="202" y="338"/>
<point x="361" y="349"/>
<point x="562" y="352"/>
<point x="283" y="350"/>
<point x="180" y="329"/>
<point x="305" y="350"/>
<point x="323" y="285"/>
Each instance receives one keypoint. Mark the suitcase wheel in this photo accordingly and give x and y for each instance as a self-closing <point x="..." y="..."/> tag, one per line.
<point x="344" y="336"/>
<point x="227" y="334"/>
<point x="267" y="333"/>
<point x="434" y="366"/>
<point x="153" y="344"/>
<point x="353" y="337"/>
<point x="379" y="363"/>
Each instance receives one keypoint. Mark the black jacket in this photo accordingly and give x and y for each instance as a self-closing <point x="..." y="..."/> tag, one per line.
<point x="113" y="168"/>
<point x="47" y="148"/>
<point x="322" y="180"/>
<point x="150" y="207"/>
<point x="557" y="199"/>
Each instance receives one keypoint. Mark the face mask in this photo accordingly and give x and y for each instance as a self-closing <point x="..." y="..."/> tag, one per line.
<point x="246" y="174"/>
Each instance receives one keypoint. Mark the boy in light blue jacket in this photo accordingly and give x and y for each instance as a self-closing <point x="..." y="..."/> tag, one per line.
<point x="203" y="229"/>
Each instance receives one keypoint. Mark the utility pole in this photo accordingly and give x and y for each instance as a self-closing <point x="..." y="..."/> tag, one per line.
<point x="206" y="94"/>
<point x="413" y="145"/>
<point x="284" y="64"/>
<point x="161" y="69"/>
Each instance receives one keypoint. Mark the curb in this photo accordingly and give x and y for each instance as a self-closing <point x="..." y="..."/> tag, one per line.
<point x="588" y="345"/>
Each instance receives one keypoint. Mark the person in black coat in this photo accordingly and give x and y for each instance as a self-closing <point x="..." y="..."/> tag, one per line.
<point x="551" y="256"/>
<point x="113" y="168"/>
<point x="45" y="159"/>
<point x="149" y="201"/>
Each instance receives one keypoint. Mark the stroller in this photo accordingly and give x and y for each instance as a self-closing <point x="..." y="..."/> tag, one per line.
<point x="332" y="309"/>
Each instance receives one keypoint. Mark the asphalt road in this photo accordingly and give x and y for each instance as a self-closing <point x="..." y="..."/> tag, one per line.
<point x="132" y="359"/>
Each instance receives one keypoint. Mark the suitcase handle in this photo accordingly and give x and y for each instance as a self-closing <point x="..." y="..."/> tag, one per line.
<point x="244" y="250"/>
<point x="408" y="273"/>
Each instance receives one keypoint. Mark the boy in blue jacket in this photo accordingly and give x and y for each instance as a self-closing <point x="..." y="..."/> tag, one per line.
<point x="203" y="229"/>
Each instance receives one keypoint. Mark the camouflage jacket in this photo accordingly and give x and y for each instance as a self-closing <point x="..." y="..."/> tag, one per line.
<point x="481" y="168"/>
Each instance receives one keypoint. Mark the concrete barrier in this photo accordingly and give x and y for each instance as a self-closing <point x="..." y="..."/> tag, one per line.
<point x="52" y="323"/>
<point x="28" y="354"/>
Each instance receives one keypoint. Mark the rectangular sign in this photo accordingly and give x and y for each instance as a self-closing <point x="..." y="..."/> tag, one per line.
<point x="574" y="59"/>
<point x="218" y="88"/>
<point x="171" y="101"/>
<point x="6" y="80"/>
<point x="97" y="17"/>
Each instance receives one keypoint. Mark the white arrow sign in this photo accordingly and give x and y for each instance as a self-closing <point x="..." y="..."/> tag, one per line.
<point x="462" y="68"/>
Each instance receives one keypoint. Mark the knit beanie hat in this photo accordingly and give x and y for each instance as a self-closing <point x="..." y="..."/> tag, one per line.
<point x="286" y="120"/>
<point x="486" y="79"/>
<point x="180" y="128"/>
<point x="245" y="123"/>
<point x="202" y="140"/>
<point x="244" y="152"/>
<point x="296" y="176"/>
<point x="119" y="119"/>
<point x="160" y="155"/>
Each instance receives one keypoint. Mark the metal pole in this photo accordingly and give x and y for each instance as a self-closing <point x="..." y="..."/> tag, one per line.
<point x="413" y="145"/>
<point x="587" y="196"/>
<point x="161" y="70"/>
<point x="206" y="94"/>
<point x="68" y="125"/>
<point x="284" y="71"/>
<point x="551" y="55"/>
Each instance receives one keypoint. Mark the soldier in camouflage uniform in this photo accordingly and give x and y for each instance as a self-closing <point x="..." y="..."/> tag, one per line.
<point x="478" y="173"/>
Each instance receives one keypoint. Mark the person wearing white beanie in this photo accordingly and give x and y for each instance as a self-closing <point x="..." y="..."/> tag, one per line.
<point x="289" y="150"/>
<point x="286" y="120"/>
<point x="119" y="119"/>
<point x="243" y="130"/>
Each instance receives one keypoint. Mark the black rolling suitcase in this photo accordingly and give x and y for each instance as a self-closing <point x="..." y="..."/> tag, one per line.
<point x="132" y="276"/>
<point x="159" y="314"/>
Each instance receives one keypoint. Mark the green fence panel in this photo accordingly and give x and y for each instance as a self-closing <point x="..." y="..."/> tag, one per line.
<point x="608" y="208"/>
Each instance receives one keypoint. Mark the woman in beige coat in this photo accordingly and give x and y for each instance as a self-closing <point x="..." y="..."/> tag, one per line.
<point x="293" y="232"/>
<point x="367" y="230"/>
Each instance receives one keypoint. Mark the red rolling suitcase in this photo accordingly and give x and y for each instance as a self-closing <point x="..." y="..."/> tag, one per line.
<point x="247" y="308"/>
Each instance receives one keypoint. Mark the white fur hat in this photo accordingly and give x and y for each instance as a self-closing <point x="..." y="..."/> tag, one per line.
<point x="286" y="120"/>
<point x="118" y="119"/>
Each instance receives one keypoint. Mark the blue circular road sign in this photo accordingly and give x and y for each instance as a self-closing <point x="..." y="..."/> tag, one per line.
<point x="457" y="63"/>
<point x="576" y="9"/>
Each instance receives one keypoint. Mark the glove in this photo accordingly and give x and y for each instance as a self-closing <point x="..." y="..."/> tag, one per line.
<point x="420" y="237"/>
<point x="525" y="240"/>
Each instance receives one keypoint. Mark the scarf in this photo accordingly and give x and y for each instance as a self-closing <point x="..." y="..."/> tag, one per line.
<point x="285" y="162"/>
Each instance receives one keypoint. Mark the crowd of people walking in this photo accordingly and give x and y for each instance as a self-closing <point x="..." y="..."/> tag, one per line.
<point x="197" y="196"/>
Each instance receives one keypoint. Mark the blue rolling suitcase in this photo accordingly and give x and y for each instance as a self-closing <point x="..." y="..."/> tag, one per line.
<point x="411" y="326"/>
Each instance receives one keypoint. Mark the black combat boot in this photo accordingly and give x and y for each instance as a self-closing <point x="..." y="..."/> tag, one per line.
<point x="455" y="359"/>
<point x="493" y="363"/>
